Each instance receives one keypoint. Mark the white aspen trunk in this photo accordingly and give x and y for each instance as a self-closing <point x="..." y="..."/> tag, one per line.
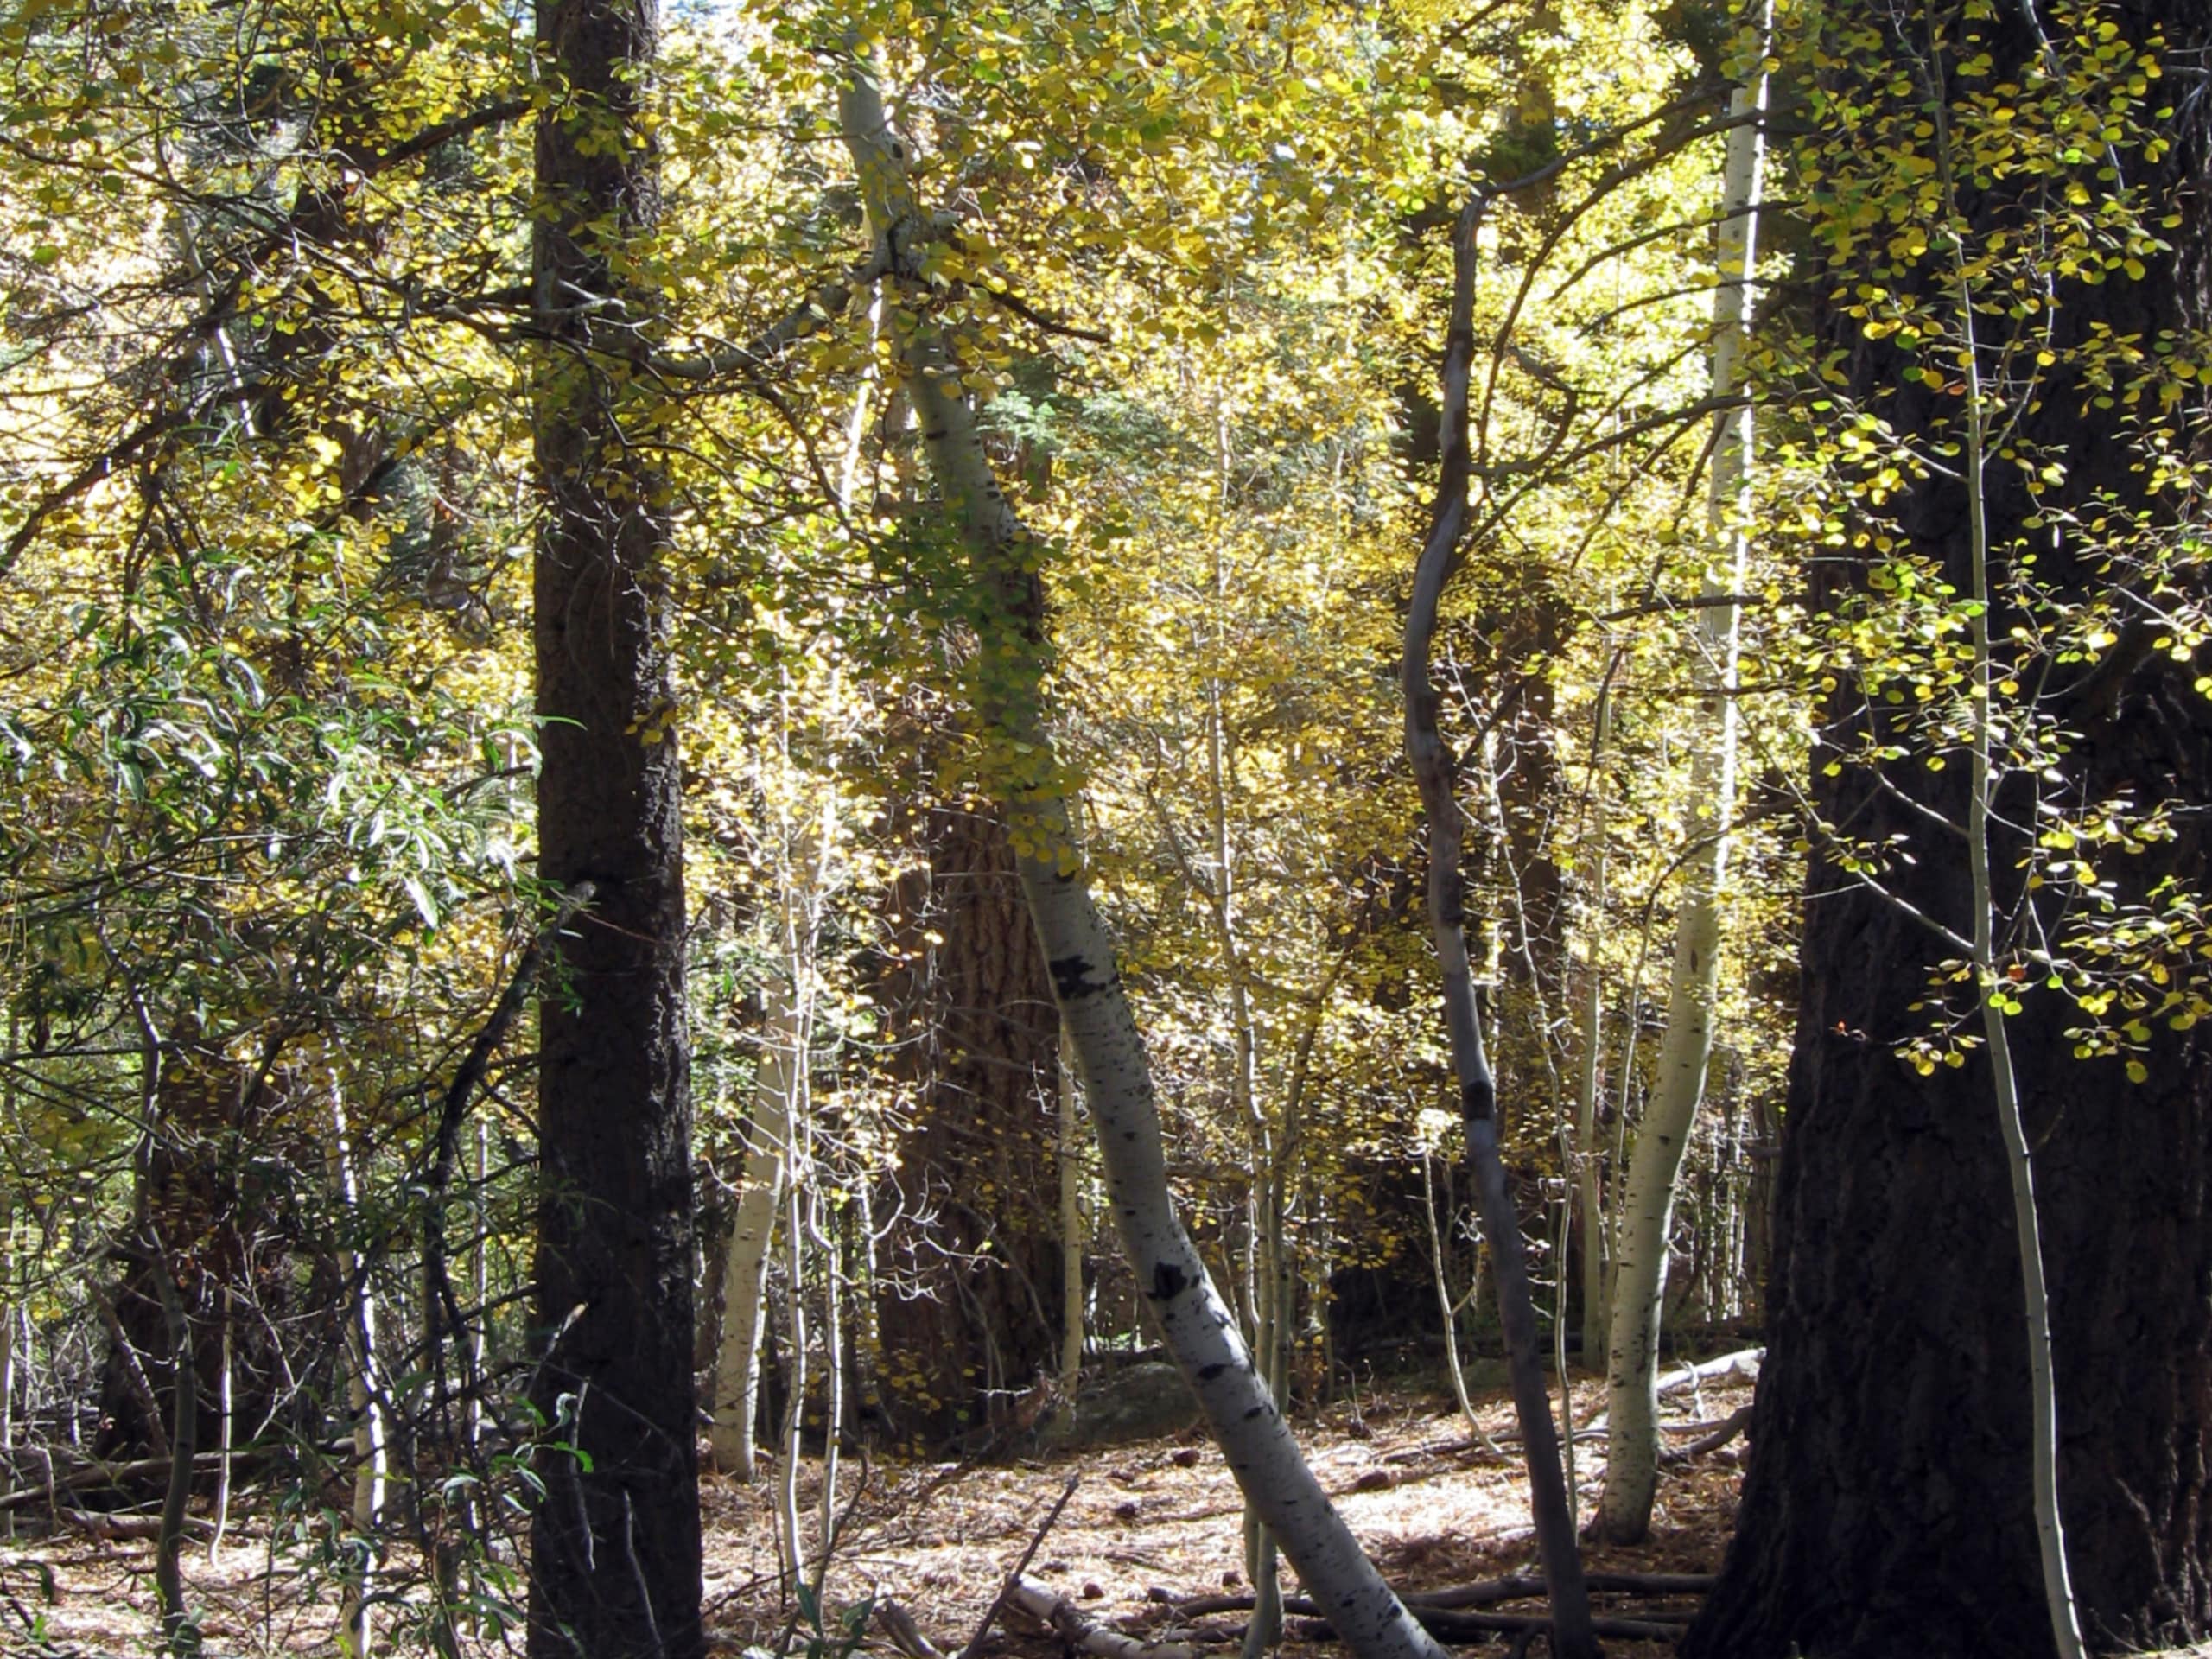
<point x="1589" y="1178"/>
<point x="364" y="1399"/>
<point x="1072" y="1231"/>
<point x="480" y="1280"/>
<point x="7" y="1322"/>
<point x="745" y="1279"/>
<point x="1632" y="1442"/>
<point x="226" y="1395"/>
<point x="833" y="1383"/>
<point x="1199" y="1331"/>
<point x="788" y="1524"/>
<point x="9" y="1303"/>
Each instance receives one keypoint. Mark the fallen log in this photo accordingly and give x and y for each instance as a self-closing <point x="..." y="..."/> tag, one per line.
<point x="111" y="1528"/>
<point x="114" y="1474"/>
<point x="1473" y="1627"/>
<point x="1743" y="1360"/>
<point x="1082" y="1632"/>
<point x="1483" y="1593"/>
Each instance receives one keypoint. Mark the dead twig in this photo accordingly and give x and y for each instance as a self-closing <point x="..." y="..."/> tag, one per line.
<point x="1723" y="1431"/>
<point x="1037" y="1539"/>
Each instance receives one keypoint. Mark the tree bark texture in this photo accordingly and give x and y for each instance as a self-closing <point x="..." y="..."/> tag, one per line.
<point x="615" y="1547"/>
<point x="1887" y="1509"/>
<point x="230" y="1226"/>
<point x="968" y="1313"/>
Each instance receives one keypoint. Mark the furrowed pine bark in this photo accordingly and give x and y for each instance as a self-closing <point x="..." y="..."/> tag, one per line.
<point x="1891" y="1507"/>
<point x="1435" y="770"/>
<point x="1655" y="1165"/>
<point x="1000" y="556"/>
<point x="615" y="1543"/>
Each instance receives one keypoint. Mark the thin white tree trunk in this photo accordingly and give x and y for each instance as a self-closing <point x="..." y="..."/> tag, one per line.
<point x="1632" y="1445"/>
<point x="832" y="1381"/>
<point x="2043" y="1391"/>
<point x="226" y="1395"/>
<point x="364" y="1399"/>
<point x="1200" y="1333"/>
<point x="1589" y="1175"/>
<point x="1072" y="1231"/>
<point x="767" y="1142"/>
<point x="1449" y="1308"/>
<point x="794" y="1234"/>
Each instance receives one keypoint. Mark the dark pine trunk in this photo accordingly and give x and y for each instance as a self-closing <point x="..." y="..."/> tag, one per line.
<point x="616" y="1549"/>
<point x="1887" y="1509"/>
<point x="971" y="1314"/>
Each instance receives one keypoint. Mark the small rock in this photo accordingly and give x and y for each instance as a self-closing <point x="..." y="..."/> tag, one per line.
<point x="1092" y="1590"/>
<point x="1127" y="1511"/>
<point x="1374" y="1480"/>
<point x="1187" y="1457"/>
<point x="1231" y="1579"/>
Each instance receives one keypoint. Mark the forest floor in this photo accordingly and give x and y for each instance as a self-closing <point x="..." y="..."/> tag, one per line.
<point x="1147" y="1525"/>
<point x="1154" y="1524"/>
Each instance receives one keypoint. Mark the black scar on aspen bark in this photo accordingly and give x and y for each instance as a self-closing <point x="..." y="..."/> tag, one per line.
<point x="1167" y="1281"/>
<point x="1479" y="1101"/>
<point x="1207" y="1373"/>
<point x="1071" y="978"/>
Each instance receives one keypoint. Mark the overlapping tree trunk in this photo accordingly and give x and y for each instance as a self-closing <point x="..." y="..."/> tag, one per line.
<point x="999" y="557"/>
<point x="1435" y="770"/>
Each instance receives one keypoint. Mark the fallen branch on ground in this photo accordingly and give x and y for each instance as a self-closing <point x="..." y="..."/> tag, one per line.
<point x="1483" y="1593"/>
<point x="991" y="1613"/>
<point x="1084" y="1633"/>
<point x="1743" y="1360"/>
<point x="1723" y="1431"/>
<point x="1470" y="1627"/>
<point x="114" y="1474"/>
<point x="128" y="1527"/>
<point x="905" y="1635"/>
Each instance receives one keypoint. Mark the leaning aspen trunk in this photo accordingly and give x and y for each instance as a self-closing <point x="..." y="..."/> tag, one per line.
<point x="1632" y="1358"/>
<point x="745" y="1278"/>
<point x="1199" y="1331"/>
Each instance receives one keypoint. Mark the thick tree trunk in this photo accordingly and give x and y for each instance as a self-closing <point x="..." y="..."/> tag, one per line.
<point x="969" y="1314"/>
<point x="1888" y="1508"/>
<point x="615" y="1547"/>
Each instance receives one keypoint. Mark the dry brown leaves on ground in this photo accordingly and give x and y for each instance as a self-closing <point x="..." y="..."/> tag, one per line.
<point x="1148" y="1525"/>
